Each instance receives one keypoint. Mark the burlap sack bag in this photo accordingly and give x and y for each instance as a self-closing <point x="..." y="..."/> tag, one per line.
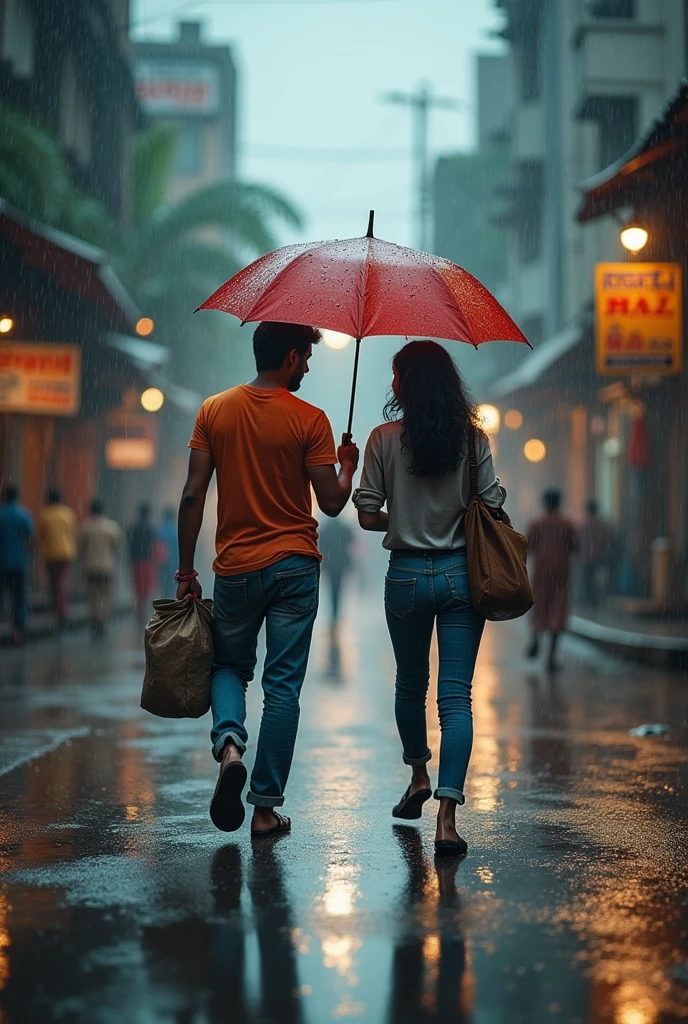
<point x="179" y="659"/>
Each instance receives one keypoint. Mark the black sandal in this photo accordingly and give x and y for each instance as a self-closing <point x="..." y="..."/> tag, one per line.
<point x="226" y="808"/>
<point x="283" y="825"/>
<point x="448" y="848"/>
<point x="411" y="804"/>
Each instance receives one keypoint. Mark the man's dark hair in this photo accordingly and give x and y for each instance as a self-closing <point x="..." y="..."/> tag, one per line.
<point x="273" y="342"/>
<point x="551" y="499"/>
<point x="96" y="507"/>
<point x="592" y="508"/>
<point x="11" y="493"/>
<point x="53" y="496"/>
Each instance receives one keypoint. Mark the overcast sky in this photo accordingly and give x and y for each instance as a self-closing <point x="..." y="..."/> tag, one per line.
<point x="312" y="74"/>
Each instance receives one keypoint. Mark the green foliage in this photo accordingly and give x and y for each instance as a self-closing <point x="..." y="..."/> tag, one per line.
<point x="172" y="256"/>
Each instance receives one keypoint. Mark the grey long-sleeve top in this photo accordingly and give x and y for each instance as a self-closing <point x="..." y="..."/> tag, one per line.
<point x="424" y="512"/>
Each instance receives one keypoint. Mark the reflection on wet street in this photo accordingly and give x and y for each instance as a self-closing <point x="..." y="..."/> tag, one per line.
<point x="120" y="902"/>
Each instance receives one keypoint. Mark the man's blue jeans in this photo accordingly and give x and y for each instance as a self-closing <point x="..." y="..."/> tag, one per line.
<point x="421" y="588"/>
<point x="284" y="596"/>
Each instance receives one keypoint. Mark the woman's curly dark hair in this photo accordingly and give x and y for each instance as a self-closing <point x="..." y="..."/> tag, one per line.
<point x="436" y="408"/>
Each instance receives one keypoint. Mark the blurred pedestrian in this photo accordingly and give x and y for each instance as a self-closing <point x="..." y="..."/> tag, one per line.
<point x="57" y="537"/>
<point x="141" y="538"/>
<point x="595" y="551"/>
<point x="552" y="539"/>
<point x="268" y="449"/>
<point x="167" y="553"/>
<point x="418" y="463"/>
<point x="16" y="539"/>
<point x="336" y="543"/>
<point x="100" y="539"/>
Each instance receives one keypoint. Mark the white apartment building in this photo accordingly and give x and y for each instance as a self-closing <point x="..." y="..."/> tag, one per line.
<point x="588" y="76"/>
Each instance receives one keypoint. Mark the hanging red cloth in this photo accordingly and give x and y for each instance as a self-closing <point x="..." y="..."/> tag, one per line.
<point x="638" y="451"/>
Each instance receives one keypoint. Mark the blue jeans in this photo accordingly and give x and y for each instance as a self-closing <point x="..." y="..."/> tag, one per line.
<point x="15" y="583"/>
<point x="421" y="588"/>
<point x="284" y="596"/>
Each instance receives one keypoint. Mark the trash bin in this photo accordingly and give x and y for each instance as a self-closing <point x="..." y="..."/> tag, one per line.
<point x="660" y="552"/>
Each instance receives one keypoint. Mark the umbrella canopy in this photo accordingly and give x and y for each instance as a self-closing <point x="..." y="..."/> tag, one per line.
<point x="364" y="287"/>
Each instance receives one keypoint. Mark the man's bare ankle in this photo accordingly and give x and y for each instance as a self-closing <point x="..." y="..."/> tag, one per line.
<point x="230" y="752"/>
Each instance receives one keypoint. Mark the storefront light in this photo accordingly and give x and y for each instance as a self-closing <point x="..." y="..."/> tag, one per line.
<point x="535" y="450"/>
<point x="6" y="324"/>
<point x="633" y="236"/>
<point x="513" y="419"/>
<point x="152" y="399"/>
<point x="144" y="326"/>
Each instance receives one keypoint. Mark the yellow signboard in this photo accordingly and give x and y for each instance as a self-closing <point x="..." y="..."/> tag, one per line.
<point x="638" y="318"/>
<point x="40" y="379"/>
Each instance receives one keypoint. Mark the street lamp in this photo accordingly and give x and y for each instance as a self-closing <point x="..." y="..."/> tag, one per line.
<point x="6" y="324"/>
<point x="489" y="418"/>
<point x="633" y="236"/>
<point x="535" y="450"/>
<point x="335" y="339"/>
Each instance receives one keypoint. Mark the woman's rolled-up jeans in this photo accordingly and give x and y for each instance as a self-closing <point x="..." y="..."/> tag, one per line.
<point x="421" y="588"/>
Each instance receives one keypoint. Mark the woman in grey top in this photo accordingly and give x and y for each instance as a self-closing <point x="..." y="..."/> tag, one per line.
<point x="417" y="463"/>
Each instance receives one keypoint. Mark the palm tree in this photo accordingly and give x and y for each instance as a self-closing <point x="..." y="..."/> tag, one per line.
<point x="172" y="255"/>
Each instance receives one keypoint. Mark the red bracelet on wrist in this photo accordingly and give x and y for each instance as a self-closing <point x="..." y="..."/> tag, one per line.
<point x="185" y="577"/>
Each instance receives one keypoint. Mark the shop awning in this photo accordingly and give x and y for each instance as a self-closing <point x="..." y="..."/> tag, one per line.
<point x="546" y="355"/>
<point x="642" y="170"/>
<point x="76" y="266"/>
<point x="148" y="357"/>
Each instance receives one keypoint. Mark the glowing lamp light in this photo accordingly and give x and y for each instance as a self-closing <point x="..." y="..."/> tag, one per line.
<point x="144" y="326"/>
<point x="6" y="324"/>
<point x="513" y="419"/>
<point x="152" y="399"/>
<point x="489" y="418"/>
<point x="535" y="450"/>
<point x="335" y="339"/>
<point x="633" y="236"/>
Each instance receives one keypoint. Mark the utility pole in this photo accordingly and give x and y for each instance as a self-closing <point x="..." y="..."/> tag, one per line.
<point x="420" y="102"/>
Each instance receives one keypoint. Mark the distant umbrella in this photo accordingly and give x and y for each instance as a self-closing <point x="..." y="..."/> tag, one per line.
<point x="366" y="287"/>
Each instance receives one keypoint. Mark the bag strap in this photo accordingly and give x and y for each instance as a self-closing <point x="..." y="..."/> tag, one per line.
<point x="473" y="461"/>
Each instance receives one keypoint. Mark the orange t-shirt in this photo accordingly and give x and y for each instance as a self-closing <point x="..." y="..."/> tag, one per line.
<point x="261" y="442"/>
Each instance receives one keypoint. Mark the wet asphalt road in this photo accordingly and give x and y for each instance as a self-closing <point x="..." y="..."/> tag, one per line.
<point x="119" y="902"/>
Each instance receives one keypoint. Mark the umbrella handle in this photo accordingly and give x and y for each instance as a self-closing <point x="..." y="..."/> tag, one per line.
<point x="353" y="392"/>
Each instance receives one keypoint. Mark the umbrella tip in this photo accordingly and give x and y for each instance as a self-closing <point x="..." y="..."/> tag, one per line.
<point x="371" y="218"/>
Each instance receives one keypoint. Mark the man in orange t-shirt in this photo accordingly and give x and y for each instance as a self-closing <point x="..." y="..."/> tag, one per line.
<point x="268" y="448"/>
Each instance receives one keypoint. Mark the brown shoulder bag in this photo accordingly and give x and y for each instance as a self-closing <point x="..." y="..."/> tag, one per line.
<point x="496" y="555"/>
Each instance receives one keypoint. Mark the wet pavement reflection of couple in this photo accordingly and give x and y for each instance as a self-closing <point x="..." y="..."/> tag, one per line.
<point x="426" y="981"/>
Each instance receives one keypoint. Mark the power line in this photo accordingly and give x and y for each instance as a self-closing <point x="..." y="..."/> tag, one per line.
<point x="327" y="155"/>
<point x="189" y="5"/>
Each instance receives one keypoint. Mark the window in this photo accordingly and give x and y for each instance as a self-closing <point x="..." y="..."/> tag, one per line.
<point x="189" y="150"/>
<point x="612" y="8"/>
<point x="618" y="128"/>
<point x="531" y="199"/>
<point x="74" y="114"/>
<point x="530" y="61"/>
<point x="18" y="37"/>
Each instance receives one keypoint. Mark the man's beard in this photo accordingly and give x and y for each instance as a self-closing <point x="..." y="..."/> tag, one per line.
<point x="295" y="382"/>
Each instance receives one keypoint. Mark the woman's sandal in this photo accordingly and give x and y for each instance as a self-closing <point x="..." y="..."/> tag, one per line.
<point x="448" y="848"/>
<point x="411" y="804"/>
<point x="283" y="825"/>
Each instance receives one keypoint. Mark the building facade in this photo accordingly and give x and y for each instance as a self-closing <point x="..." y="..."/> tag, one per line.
<point x="68" y="69"/>
<point x="191" y="85"/>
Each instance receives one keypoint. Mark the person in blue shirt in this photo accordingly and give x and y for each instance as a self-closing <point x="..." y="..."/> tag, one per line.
<point x="167" y="553"/>
<point x="16" y="539"/>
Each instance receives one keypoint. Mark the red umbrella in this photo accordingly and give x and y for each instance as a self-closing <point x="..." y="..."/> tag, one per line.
<point x="363" y="287"/>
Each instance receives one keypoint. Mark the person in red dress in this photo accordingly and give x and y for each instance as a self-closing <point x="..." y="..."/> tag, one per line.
<point x="552" y="538"/>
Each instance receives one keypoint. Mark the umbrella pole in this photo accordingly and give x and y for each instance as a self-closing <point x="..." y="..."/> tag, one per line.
<point x="353" y="391"/>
